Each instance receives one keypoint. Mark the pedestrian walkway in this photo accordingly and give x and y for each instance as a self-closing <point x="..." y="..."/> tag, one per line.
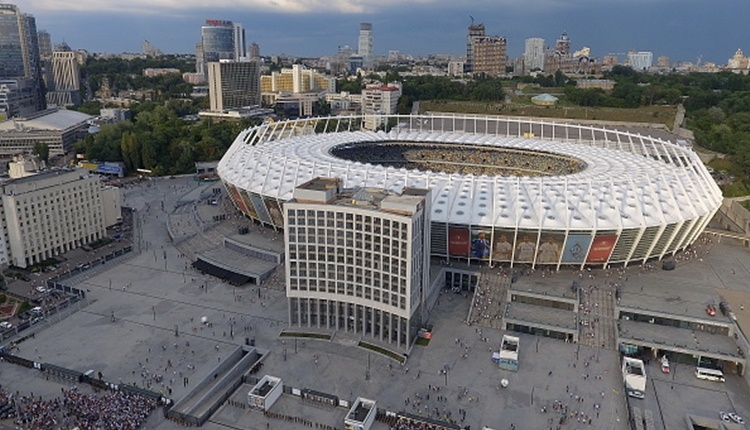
<point x="597" y="326"/>
<point x="489" y="300"/>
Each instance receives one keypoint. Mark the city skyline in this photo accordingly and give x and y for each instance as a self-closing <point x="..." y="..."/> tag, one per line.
<point x="417" y="28"/>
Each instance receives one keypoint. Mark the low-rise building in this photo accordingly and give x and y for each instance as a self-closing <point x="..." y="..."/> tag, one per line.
<point x="58" y="129"/>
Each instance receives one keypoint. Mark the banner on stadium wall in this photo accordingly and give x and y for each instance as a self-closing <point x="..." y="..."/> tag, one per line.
<point x="576" y="248"/>
<point x="274" y="211"/>
<point x="502" y="247"/>
<point x="234" y="194"/>
<point x="550" y="248"/>
<point x="250" y="209"/>
<point x="481" y="244"/>
<point x="459" y="242"/>
<point x="601" y="248"/>
<point x="525" y="247"/>
<point x="260" y="208"/>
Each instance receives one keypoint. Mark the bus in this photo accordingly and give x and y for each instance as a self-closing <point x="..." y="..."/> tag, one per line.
<point x="709" y="374"/>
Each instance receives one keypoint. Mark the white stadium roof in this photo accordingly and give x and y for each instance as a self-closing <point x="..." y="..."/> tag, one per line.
<point x="630" y="181"/>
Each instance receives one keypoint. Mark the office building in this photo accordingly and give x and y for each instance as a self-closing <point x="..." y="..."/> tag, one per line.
<point x="365" y="44"/>
<point x="357" y="260"/>
<point x="240" y="46"/>
<point x="475" y="30"/>
<point x="456" y="68"/>
<point x="49" y="214"/>
<point x="45" y="44"/>
<point x="233" y="84"/>
<point x="220" y="40"/>
<point x="65" y="85"/>
<point x="19" y="50"/>
<point x="533" y="55"/>
<point x="641" y="60"/>
<point x="378" y="101"/>
<point x="298" y="79"/>
<point x="254" y="51"/>
<point x="490" y="55"/>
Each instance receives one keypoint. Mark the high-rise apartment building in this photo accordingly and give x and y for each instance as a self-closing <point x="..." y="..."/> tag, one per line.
<point x="641" y="60"/>
<point x="233" y="84"/>
<point x="365" y="45"/>
<point x="379" y="100"/>
<point x="357" y="260"/>
<point x="65" y="86"/>
<point x="490" y="55"/>
<point x="533" y="55"/>
<point x="475" y="31"/>
<point x="19" y="53"/>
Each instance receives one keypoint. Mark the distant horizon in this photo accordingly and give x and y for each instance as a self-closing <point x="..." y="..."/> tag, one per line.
<point x="675" y="29"/>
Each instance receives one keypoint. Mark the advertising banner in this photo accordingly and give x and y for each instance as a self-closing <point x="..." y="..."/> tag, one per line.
<point x="458" y="242"/>
<point x="275" y="212"/>
<point x="260" y="208"/>
<point x="601" y="248"/>
<point x="525" y="247"/>
<point x="550" y="248"/>
<point x="576" y="248"/>
<point x="250" y="209"/>
<point x="481" y="244"/>
<point x="502" y="248"/>
<point x="234" y="194"/>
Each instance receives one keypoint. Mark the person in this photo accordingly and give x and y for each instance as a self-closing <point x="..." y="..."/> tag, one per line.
<point x="480" y="246"/>
<point x="525" y="250"/>
<point x="549" y="251"/>
<point x="503" y="249"/>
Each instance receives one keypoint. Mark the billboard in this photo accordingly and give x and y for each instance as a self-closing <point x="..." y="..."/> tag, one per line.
<point x="481" y="244"/>
<point x="601" y="248"/>
<point x="275" y="212"/>
<point x="550" y="248"/>
<point x="260" y="208"/>
<point x="458" y="242"/>
<point x="502" y="248"/>
<point x="250" y="209"/>
<point x="576" y="248"/>
<point x="525" y="247"/>
<point x="234" y="194"/>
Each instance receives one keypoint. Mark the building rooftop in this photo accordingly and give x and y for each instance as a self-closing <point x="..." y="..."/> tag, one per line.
<point x="540" y="315"/>
<point x="53" y="121"/>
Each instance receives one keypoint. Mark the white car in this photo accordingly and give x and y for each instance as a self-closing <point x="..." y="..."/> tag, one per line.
<point x="736" y="418"/>
<point x="5" y="325"/>
<point x="42" y="290"/>
<point x="724" y="416"/>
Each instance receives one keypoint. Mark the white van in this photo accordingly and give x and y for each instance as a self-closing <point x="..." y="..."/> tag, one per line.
<point x="709" y="374"/>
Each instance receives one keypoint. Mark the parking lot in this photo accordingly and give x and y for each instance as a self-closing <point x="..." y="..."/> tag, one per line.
<point x="142" y="325"/>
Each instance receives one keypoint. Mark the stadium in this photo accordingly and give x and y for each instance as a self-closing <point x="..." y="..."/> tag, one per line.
<point x="504" y="190"/>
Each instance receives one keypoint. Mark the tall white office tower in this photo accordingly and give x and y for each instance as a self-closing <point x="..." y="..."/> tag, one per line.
<point x="365" y="44"/>
<point x="240" y="47"/>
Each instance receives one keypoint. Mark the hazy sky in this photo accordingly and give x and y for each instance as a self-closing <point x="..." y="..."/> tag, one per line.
<point x="680" y="29"/>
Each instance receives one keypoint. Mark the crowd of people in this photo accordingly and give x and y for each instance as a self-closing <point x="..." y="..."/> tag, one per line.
<point x="117" y="410"/>
<point x="462" y="159"/>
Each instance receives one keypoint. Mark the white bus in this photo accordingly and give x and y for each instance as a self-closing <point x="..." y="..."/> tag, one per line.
<point x="709" y="374"/>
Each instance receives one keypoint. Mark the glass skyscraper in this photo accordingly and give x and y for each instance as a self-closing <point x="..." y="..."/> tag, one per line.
<point x="19" y="55"/>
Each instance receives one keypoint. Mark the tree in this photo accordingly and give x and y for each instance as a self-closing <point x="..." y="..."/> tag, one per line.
<point x="131" y="154"/>
<point x="41" y="149"/>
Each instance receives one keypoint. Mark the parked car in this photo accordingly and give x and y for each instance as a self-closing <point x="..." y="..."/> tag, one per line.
<point x="664" y="364"/>
<point x="5" y="325"/>
<point x="711" y="310"/>
<point x="724" y="416"/>
<point x="736" y="418"/>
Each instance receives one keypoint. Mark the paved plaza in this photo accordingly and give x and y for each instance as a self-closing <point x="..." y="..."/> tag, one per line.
<point x="142" y="325"/>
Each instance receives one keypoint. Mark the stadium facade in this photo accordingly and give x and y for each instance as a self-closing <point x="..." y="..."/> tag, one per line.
<point x="504" y="190"/>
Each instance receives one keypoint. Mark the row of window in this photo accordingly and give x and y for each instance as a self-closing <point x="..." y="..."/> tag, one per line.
<point x="378" y="261"/>
<point x="351" y="290"/>
<point x="369" y="269"/>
